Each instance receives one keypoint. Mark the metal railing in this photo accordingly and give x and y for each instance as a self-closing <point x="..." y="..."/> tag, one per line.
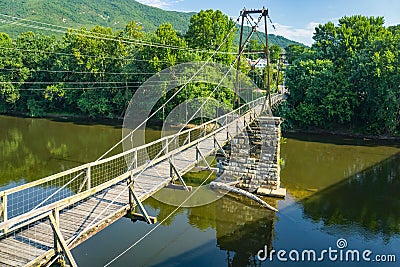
<point x="31" y="202"/>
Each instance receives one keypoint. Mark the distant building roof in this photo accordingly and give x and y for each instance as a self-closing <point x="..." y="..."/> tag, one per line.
<point x="258" y="63"/>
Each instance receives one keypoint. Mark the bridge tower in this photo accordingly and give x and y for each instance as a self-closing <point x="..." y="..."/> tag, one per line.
<point x="254" y="161"/>
<point x="246" y="15"/>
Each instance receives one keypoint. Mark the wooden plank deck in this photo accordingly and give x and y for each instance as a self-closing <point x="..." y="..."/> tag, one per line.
<point x="33" y="244"/>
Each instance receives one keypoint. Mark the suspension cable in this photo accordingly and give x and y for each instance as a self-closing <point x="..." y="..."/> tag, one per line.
<point x="175" y="94"/>
<point x="100" y="36"/>
<point x="154" y="228"/>
<point x="145" y="121"/>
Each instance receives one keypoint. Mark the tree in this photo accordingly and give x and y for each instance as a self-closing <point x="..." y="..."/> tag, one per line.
<point x="209" y="29"/>
<point x="134" y="30"/>
<point x="254" y="45"/>
<point x="98" y="55"/>
<point x="274" y="53"/>
<point x="349" y="77"/>
<point x="37" y="56"/>
<point x="12" y="75"/>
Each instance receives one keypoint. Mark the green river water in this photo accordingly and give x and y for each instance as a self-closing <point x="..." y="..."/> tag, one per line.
<point x="337" y="188"/>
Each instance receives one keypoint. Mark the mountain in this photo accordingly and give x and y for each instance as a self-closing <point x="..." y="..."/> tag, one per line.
<point x="260" y="37"/>
<point x="89" y="13"/>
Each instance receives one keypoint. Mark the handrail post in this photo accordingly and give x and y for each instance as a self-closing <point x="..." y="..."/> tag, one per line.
<point x="56" y="215"/>
<point x="176" y="142"/>
<point x="166" y="146"/>
<point x="131" y="200"/>
<point x="136" y="159"/>
<point x="3" y="209"/>
<point x="89" y="177"/>
<point x="215" y="139"/>
<point x="60" y="245"/>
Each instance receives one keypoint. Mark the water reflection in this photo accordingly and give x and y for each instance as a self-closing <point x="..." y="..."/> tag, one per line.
<point x="241" y="228"/>
<point x="35" y="148"/>
<point x="249" y="229"/>
<point x="315" y="162"/>
<point x="369" y="199"/>
<point x="341" y="188"/>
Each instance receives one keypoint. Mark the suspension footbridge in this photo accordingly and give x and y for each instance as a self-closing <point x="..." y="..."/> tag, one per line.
<point x="51" y="216"/>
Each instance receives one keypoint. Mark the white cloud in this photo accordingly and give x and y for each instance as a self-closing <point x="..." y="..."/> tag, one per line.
<point x="303" y="35"/>
<point x="159" y="3"/>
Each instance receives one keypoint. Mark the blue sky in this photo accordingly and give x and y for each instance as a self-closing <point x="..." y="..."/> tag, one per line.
<point x="294" y="19"/>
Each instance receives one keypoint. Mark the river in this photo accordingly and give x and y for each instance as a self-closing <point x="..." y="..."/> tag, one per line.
<point x="338" y="188"/>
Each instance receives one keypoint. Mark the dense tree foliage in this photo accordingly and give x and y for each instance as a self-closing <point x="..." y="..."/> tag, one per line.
<point x="86" y="13"/>
<point x="348" y="80"/>
<point x="94" y="72"/>
<point x="209" y="29"/>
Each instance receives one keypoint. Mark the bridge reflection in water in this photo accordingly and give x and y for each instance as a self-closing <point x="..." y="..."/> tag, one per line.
<point x="38" y="225"/>
<point x="241" y="226"/>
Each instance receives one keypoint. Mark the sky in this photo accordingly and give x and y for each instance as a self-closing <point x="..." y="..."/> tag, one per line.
<point x="293" y="19"/>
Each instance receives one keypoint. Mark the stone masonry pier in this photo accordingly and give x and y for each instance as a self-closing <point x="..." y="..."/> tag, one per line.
<point x="254" y="159"/>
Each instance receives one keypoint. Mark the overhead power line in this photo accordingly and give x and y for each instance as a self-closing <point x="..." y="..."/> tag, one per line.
<point x="186" y="199"/>
<point x="82" y="72"/>
<point x="101" y="36"/>
<point x="82" y="55"/>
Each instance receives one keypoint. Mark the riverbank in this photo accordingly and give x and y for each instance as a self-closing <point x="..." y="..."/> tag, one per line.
<point x="156" y="124"/>
<point x="342" y="133"/>
<point x="82" y="119"/>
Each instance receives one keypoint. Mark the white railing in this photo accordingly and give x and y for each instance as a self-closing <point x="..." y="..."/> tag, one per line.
<point x="25" y="204"/>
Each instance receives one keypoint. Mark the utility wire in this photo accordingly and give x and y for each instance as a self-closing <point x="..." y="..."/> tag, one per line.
<point x="154" y="228"/>
<point x="100" y="35"/>
<point x="176" y="93"/>
<point x="81" y="72"/>
<point x="83" y="55"/>
<point x="97" y="34"/>
<point x="145" y="121"/>
<point x="77" y="83"/>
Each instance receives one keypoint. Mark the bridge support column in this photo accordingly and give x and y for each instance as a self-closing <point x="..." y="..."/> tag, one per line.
<point x="267" y="179"/>
<point x="255" y="159"/>
<point x="174" y="172"/>
<point x="59" y="243"/>
<point x="133" y="199"/>
<point x="3" y="210"/>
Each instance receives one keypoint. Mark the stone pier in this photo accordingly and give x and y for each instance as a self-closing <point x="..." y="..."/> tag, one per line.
<point x="254" y="159"/>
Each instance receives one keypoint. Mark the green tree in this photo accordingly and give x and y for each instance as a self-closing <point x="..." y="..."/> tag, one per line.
<point x="12" y="73"/>
<point x="208" y="29"/>
<point x="37" y="56"/>
<point x="349" y="77"/>
<point x="98" y="55"/>
<point x="274" y="53"/>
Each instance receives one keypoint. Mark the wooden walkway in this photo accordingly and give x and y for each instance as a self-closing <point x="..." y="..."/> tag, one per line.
<point x="34" y="236"/>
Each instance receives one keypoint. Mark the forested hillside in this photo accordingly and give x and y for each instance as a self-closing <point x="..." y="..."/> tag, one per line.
<point x="272" y="38"/>
<point x="348" y="80"/>
<point x="95" y="72"/>
<point x="88" y="13"/>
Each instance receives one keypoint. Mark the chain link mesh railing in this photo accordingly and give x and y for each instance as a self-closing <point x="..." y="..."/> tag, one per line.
<point x="31" y="202"/>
